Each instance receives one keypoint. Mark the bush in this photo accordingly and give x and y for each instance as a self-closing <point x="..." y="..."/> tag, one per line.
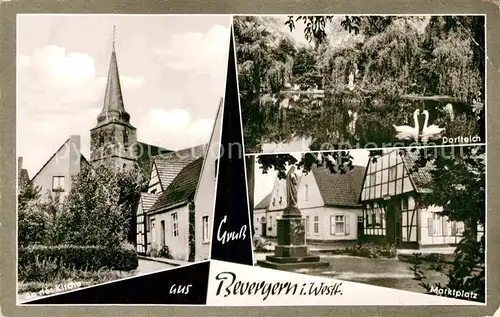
<point x="164" y="252"/>
<point x="370" y="250"/>
<point x="42" y="263"/>
<point x="260" y="244"/>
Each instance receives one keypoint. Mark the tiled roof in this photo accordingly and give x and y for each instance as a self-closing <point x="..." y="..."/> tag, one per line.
<point x="148" y="200"/>
<point x="170" y="164"/>
<point x="339" y="189"/>
<point x="422" y="176"/>
<point x="182" y="188"/>
<point x="264" y="203"/>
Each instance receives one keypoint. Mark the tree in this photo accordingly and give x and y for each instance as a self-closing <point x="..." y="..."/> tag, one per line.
<point x="31" y="219"/>
<point x="458" y="184"/>
<point x="99" y="207"/>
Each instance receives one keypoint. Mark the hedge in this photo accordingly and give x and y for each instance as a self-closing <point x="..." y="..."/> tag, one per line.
<point x="85" y="258"/>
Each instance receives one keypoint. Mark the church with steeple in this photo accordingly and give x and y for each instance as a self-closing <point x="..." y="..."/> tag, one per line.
<point x="113" y="140"/>
<point x="175" y="211"/>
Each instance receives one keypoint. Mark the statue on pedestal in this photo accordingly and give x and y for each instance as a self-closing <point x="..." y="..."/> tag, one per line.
<point x="292" y="188"/>
<point x="292" y="184"/>
<point x="350" y="85"/>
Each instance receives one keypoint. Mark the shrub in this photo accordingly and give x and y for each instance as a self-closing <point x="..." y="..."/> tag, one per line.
<point x="369" y="250"/>
<point x="164" y="252"/>
<point x="260" y="244"/>
<point x="42" y="263"/>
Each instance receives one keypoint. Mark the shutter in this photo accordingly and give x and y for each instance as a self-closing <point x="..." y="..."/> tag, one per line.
<point x="332" y="225"/>
<point x="429" y="226"/>
<point x="347" y="225"/>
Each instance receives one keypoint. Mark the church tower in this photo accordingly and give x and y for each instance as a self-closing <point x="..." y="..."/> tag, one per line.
<point x="112" y="141"/>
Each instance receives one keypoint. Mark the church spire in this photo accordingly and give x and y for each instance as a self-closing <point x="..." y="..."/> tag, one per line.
<point x="113" y="108"/>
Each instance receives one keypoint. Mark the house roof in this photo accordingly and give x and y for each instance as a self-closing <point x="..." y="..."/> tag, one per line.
<point x="83" y="160"/>
<point x="264" y="203"/>
<point x="422" y="176"/>
<point x="339" y="189"/>
<point x="170" y="164"/>
<point x="148" y="200"/>
<point x="182" y="188"/>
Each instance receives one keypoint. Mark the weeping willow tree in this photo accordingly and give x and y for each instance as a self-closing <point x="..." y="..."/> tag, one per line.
<point x="264" y="67"/>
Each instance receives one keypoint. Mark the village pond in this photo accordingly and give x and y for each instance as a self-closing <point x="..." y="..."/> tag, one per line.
<point x="285" y="125"/>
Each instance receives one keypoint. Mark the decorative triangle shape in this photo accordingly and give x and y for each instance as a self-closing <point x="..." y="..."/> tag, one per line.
<point x="231" y="238"/>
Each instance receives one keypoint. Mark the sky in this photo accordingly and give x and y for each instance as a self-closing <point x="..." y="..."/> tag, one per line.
<point x="172" y="71"/>
<point x="265" y="182"/>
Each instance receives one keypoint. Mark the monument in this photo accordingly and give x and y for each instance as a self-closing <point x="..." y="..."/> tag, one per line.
<point x="292" y="251"/>
<point x="350" y="85"/>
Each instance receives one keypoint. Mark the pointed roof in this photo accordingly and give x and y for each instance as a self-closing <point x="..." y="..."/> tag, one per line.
<point x="338" y="189"/>
<point x="170" y="164"/>
<point x="264" y="203"/>
<point x="181" y="189"/>
<point x="113" y="108"/>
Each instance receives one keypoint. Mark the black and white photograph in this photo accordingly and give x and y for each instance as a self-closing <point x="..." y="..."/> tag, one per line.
<point x="313" y="83"/>
<point x="410" y="219"/>
<point x="118" y="132"/>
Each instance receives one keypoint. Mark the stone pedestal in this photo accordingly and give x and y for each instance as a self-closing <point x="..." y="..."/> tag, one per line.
<point x="292" y="251"/>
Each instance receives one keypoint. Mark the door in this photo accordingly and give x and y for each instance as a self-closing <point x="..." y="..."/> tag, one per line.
<point x="263" y="226"/>
<point x="162" y="234"/>
<point x="394" y="223"/>
<point x="361" y="227"/>
<point x="153" y="234"/>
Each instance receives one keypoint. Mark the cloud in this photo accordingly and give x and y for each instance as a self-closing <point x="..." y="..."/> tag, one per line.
<point x="196" y="51"/>
<point x="58" y="94"/>
<point x="175" y="129"/>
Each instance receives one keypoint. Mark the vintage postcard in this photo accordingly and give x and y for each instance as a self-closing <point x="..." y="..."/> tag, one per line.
<point x="214" y="158"/>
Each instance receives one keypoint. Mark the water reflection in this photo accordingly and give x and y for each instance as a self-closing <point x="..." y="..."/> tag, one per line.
<point x="322" y="122"/>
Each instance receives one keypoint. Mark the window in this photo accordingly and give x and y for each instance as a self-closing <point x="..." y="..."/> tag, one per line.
<point x="435" y="225"/>
<point x="175" y="225"/>
<point x="274" y="201"/>
<point x="307" y="192"/>
<point x="360" y="218"/>
<point x="404" y="204"/>
<point x="281" y="200"/>
<point x="204" y="235"/>
<point x="339" y="224"/>
<point x="153" y="191"/>
<point x="307" y="224"/>
<point x="316" y="224"/>
<point x="392" y="173"/>
<point x="125" y="137"/>
<point x="58" y="184"/>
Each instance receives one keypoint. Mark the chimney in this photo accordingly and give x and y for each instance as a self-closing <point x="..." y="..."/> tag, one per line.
<point x="74" y="154"/>
<point x="19" y="165"/>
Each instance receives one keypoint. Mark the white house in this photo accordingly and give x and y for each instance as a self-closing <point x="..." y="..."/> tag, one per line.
<point x="176" y="211"/>
<point x="390" y="212"/>
<point x="54" y="178"/>
<point x="328" y="201"/>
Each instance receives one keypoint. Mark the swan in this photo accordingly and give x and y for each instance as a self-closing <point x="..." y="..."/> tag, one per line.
<point x="432" y="129"/>
<point x="405" y="131"/>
